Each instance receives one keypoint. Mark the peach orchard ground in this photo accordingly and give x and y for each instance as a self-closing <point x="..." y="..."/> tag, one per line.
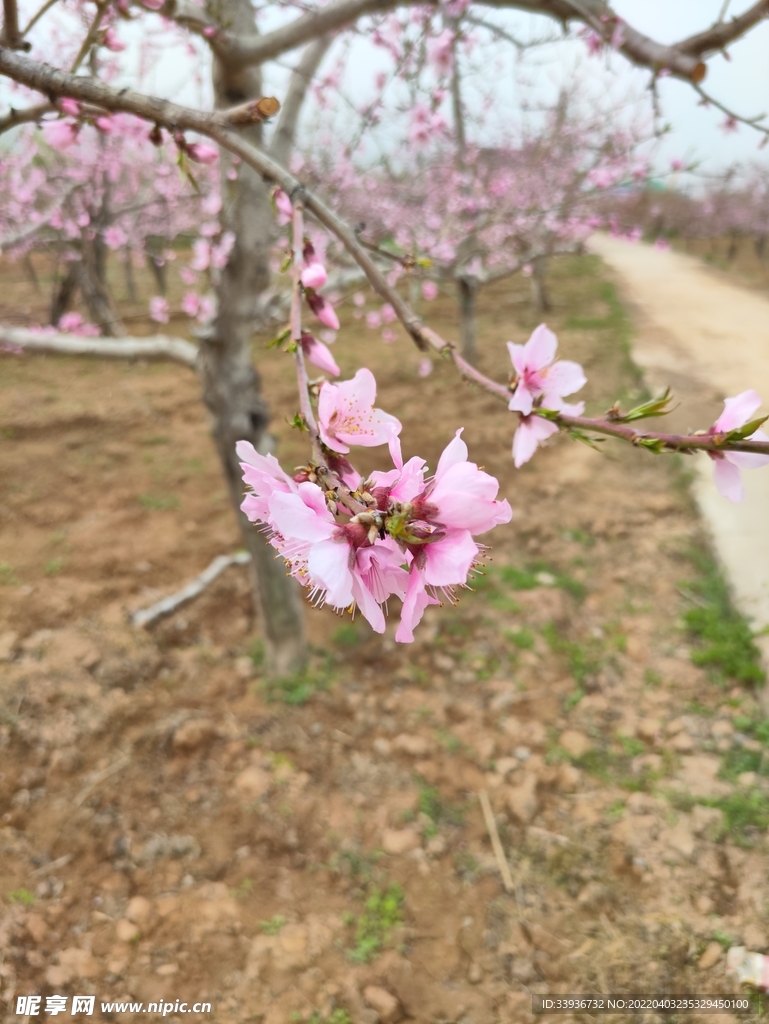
<point x="173" y="827"/>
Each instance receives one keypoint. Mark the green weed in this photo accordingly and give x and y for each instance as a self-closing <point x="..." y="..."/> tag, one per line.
<point x="440" y="811"/>
<point x="158" y="503"/>
<point x="382" y="912"/>
<point x="8" y="576"/>
<point x="53" y="567"/>
<point x="22" y="896"/>
<point x="724" y="639"/>
<point x="273" y="926"/>
<point x="523" y="638"/>
<point x="348" y="635"/>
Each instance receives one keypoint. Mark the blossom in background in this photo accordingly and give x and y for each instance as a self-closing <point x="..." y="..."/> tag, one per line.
<point x="737" y="413"/>
<point x="114" y="237"/>
<point x="540" y="379"/>
<point x="429" y="290"/>
<point x="191" y="303"/>
<point x="283" y="206"/>
<point x="159" y="309"/>
<point x="60" y="134"/>
<point x="69" y="106"/>
<point x="346" y="415"/>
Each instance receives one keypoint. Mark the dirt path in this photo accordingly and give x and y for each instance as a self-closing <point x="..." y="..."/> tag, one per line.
<point x="708" y="338"/>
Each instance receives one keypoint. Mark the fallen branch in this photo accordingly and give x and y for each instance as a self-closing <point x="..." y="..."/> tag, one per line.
<point x="496" y="843"/>
<point x="157" y="347"/>
<point x="169" y="604"/>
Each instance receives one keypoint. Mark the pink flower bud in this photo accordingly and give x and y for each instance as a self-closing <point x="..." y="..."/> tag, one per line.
<point x="429" y="290"/>
<point x="104" y="124"/>
<point x="323" y="310"/>
<point x="112" y="41"/>
<point x="209" y="31"/>
<point x="283" y="205"/>
<point x="314" y="276"/>
<point x="69" y="106"/>
<point x="201" y="153"/>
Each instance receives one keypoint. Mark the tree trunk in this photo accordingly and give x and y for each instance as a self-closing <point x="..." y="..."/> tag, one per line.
<point x="154" y="247"/>
<point x="29" y="266"/>
<point x="468" y="290"/>
<point x="130" y="277"/>
<point x="733" y="247"/>
<point x="540" y="298"/>
<point x="231" y="386"/>
<point x="64" y="294"/>
<point x="91" y="276"/>
<point x="760" y="246"/>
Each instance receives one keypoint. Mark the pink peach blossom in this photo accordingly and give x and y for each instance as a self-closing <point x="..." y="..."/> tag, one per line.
<point x="201" y="153"/>
<point x="429" y="290"/>
<point x="159" y="309"/>
<point x="532" y="431"/>
<point x="323" y="310"/>
<point x="727" y="465"/>
<point x="346" y="415"/>
<point x="539" y="378"/>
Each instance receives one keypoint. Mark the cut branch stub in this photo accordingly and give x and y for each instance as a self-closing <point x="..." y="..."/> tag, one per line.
<point x="252" y="113"/>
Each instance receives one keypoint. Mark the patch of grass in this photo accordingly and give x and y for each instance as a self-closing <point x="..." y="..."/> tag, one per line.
<point x="8" y="577"/>
<point x="723" y="939"/>
<point x="450" y="743"/>
<point x="273" y="926"/>
<point x="53" y="567"/>
<point x="518" y="579"/>
<point x="22" y="896"/>
<point x="757" y="728"/>
<point x="382" y="912"/>
<point x="348" y="635"/>
<point x="745" y="814"/>
<point x="354" y="864"/>
<point x="738" y="760"/>
<point x="440" y="811"/>
<point x="584" y="659"/>
<point x="724" y="640"/>
<point x="158" y="502"/>
<point x="652" y="678"/>
<point x="153" y="439"/>
<point x="613" y="767"/>
<point x="522" y="638"/>
<point x="257" y="653"/>
<point x="337" y="1016"/>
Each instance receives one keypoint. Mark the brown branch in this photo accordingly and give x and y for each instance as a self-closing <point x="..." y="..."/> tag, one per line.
<point x="38" y="15"/>
<point x="10" y="35"/>
<point x="722" y="33"/>
<point x="285" y="130"/>
<point x="751" y="122"/>
<point x="17" y="117"/>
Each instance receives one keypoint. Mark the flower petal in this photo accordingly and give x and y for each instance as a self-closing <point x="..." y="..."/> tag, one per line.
<point x="541" y="347"/>
<point x="449" y="561"/>
<point x="562" y="378"/>
<point x="738" y="411"/>
<point x="728" y="480"/>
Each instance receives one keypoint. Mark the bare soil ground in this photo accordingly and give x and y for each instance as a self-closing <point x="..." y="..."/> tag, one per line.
<point x="171" y="827"/>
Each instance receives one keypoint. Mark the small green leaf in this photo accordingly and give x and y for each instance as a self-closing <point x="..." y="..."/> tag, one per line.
<point x="742" y="433"/>
<point x="591" y="442"/>
<point x="287" y="263"/>
<point x="279" y="339"/>
<point x="651" y="444"/>
<point x="299" y="422"/>
<point x="656" y="407"/>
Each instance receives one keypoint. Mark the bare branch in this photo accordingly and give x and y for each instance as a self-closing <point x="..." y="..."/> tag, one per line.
<point x="10" y="35"/>
<point x="722" y="32"/>
<point x="169" y="604"/>
<point x="159" y="347"/>
<point x="17" y="117"/>
<point x="38" y="15"/>
<point x="285" y="131"/>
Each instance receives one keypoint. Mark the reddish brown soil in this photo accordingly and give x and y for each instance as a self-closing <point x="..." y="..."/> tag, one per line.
<point x="160" y="813"/>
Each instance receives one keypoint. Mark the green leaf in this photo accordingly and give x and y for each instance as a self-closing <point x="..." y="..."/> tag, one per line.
<point x="287" y="263"/>
<point x="591" y="442"/>
<point x="656" y="407"/>
<point x="299" y="422"/>
<point x="279" y="339"/>
<point x="651" y="444"/>
<point x="742" y="433"/>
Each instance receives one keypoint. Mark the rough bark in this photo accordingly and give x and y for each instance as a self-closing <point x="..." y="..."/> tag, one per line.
<point x="468" y="291"/>
<point x="64" y="293"/>
<point x="231" y="385"/>
<point x="540" y="297"/>
<point x="130" y="277"/>
<point x="91" y="277"/>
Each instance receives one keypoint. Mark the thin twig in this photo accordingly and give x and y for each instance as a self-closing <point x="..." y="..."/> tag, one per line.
<point x="105" y="773"/>
<point x="146" y="616"/>
<point x="496" y="844"/>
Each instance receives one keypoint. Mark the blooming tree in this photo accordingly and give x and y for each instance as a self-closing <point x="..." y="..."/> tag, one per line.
<point x="78" y="62"/>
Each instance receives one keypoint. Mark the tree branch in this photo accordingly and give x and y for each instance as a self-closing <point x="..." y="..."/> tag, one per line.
<point x="722" y="33"/>
<point x="154" y="348"/>
<point x="146" y="616"/>
<point x="17" y="117"/>
<point x="10" y="35"/>
<point x="285" y="130"/>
